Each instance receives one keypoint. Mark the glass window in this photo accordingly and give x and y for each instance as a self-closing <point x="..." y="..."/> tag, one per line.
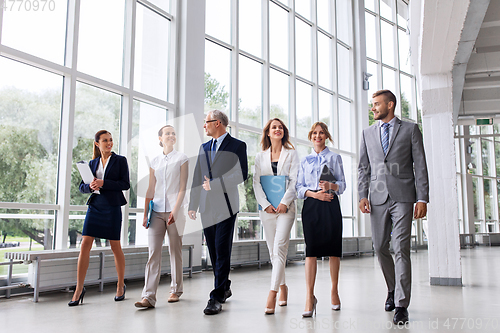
<point x="248" y="203"/>
<point x="346" y="198"/>
<point x="325" y="17"/>
<point x="325" y="61"/>
<point x="218" y="19"/>
<point x="326" y="108"/>
<point x="30" y="113"/>
<point x="486" y="129"/>
<point x="278" y="36"/>
<point x="475" y="193"/>
<point x="345" y="125"/>
<point x="250" y="28"/>
<point x="387" y="43"/>
<point x="152" y="54"/>
<point x="473" y="156"/>
<point x="95" y="109"/>
<point x="303" y="7"/>
<point x="303" y="49"/>
<point x="279" y="96"/>
<point x="388" y="79"/>
<point x="250" y="93"/>
<point x="497" y="157"/>
<point x="147" y="119"/>
<point x="304" y="109"/>
<point x="371" y="36"/>
<point x="402" y="14"/>
<point x="371" y="5"/>
<point x="406" y="97"/>
<point x="344" y="21"/>
<point x="404" y="51"/>
<point x="33" y="234"/>
<point x="217" y="77"/>
<point x="162" y="4"/>
<point x="372" y="69"/>
<point x="347" y="227"/>
<point x="102" y="30"/>
<point x="344" y="66"/>
<point x="489" y="200"/>
<point x="386" y="11"/>
<point x="25" y="28"/>
<point x="498" y="193"/>
<point x="487" y="156"/>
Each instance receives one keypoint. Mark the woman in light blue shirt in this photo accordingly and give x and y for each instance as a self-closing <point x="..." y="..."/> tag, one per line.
<point x="320" y="181"/>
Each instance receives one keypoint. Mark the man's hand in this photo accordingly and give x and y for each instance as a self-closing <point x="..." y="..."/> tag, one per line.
<point x="364" y="205"/>
<point x="420" y="210"/>
<point x="206" y="184"/>
<point x="192" y="214"/>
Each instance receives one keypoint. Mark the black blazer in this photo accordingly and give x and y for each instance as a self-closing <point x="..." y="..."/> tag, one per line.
<point x="116" y="180"/>
<point x="228" y="169"/>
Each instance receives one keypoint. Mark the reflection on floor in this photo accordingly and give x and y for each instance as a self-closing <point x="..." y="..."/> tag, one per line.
<point x="473" y="307"/>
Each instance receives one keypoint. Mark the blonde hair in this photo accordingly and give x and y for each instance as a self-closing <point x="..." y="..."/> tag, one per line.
<point x="324" y="127"/>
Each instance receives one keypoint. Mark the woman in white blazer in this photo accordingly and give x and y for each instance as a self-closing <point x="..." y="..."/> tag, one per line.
<point x="277" y="158"/>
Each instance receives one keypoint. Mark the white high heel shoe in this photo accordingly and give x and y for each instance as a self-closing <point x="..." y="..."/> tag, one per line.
<point x="313" y="311"/>
<point x="335" y="307"/>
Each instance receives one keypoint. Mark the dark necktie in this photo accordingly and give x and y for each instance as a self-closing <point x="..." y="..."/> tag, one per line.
<point x="214" y="150"/>
<point x="385" y="137"/>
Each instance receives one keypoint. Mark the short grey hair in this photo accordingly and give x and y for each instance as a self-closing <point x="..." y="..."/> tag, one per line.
<point x="220" y="116"/>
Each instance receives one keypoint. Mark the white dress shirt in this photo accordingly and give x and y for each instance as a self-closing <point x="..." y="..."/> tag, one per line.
<point x="168" y="178"/>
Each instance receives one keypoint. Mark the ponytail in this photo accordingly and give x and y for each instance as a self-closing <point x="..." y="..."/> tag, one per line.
<point x="97" y="151"/>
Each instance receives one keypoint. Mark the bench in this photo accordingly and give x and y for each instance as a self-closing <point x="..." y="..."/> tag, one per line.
<point x="488" y="238"/>
<point x="57" y="269"/>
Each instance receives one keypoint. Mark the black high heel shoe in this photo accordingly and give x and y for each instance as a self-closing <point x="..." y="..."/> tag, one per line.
<point x="122" y="297"/>
<point x="77" y="302"/>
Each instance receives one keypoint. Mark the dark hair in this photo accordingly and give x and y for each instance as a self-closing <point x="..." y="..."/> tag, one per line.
<point x="160" y="133"/>
<point x="324" y="127"/>
<point x="265" y="142"/>
<point x="388" y="96"/>
<point x="97" y="137"/>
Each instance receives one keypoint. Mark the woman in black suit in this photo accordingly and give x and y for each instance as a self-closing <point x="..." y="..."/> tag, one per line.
<point x="104" y="215"/>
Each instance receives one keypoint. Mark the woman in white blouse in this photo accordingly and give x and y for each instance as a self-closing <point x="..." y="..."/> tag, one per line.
<point x="278" y="158"/>
<point x="168" y="175"/>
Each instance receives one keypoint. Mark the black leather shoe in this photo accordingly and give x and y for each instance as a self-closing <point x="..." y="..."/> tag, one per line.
<point x="80" y="299"/>
<point x="213" y="307"/>
<point x="122" y="297"/>
<point x="400" y="316"/>
<point x="227" y="294"/>
<point x="389" y="302"/>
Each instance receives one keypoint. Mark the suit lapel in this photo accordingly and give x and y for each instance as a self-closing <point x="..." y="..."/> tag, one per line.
<point x="222" y="147"/>
<point x="397" y="125"/>
<point x="282" y="159"/>
<point x="266" y="168"/>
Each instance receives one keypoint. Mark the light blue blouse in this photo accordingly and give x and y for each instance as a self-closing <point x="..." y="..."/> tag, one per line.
<point x="310" y="171"/>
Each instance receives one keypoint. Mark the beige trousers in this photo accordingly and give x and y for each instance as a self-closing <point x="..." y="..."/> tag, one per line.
<point x="156" y="235"/>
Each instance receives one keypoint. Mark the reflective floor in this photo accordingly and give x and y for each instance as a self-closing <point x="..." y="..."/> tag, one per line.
<point x="473" y="307"/>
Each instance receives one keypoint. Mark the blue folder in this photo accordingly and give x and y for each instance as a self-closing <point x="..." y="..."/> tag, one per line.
<point x="150" y="212"/>
<point x="274" y="187"/>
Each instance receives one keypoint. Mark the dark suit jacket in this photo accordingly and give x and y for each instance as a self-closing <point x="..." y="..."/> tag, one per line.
<point x="116" y="180"/>
<point x="229" y="168"/>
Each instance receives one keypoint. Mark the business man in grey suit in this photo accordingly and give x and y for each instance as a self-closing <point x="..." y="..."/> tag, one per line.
<point x="392" y="176"/>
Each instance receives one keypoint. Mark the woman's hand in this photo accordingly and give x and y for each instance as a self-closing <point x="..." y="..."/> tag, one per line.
<point x="96" y="184"/>
<point x="269" y="209"/>
<point x="282" y="209"/>
<point x="172" y="216"/>
<point x="324" y="185"/>
<point x="145" y="221"/>
<point x="323" y="196"/>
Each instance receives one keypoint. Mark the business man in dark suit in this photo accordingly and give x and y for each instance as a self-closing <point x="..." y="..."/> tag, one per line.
<point x="221" y="166"/>
<point x="392" y="176"/>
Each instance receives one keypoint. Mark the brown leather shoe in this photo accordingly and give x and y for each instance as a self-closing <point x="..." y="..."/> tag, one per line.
<point x="143" y="304"/>
<point x="173" y="298"/>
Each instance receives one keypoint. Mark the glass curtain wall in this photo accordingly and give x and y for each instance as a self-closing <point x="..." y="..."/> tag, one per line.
<point x="287" y="59"/>
<point x="56" y="93"/>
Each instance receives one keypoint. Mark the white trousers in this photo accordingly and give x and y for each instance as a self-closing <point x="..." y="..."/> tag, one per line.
<point x="156" y="235"/>
<point x="277" y="232"/>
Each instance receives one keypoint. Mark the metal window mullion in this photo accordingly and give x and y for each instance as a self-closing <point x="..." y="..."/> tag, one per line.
<point x="235" y="65"/>
<point x="314" y="58"/>
<point x="33" y="60"/>
<point x="156" y="9"/>
<point x="266" y="84"/>
<point x="174" y="69"/>
<point x="61" y="223"/>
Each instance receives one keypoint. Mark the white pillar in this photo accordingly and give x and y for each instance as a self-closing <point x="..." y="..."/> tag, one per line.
<point x="442" y="216"/>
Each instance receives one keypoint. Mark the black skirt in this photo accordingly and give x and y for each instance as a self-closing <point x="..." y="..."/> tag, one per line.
<point x="102" y="220"/>
<point x="322" y="223"/>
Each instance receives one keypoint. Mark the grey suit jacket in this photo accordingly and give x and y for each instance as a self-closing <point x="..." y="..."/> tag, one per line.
<point x="401" y="174"/>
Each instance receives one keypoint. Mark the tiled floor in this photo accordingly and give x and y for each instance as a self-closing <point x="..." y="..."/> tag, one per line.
<point x="473" y="307"/>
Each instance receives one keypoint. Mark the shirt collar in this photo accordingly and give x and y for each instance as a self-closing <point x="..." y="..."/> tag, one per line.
<point x="169" y="155"/>
<point x="391" y="122"/>
<point x="220" y="138"/>
<point x="321" y="153"/>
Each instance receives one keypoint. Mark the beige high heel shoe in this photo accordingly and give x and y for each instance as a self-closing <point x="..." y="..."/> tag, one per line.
<point x="284" y="303"/>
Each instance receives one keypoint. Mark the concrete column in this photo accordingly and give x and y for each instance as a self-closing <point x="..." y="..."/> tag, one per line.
<point x="443" y="231"/>
<point x="190" y="99"/>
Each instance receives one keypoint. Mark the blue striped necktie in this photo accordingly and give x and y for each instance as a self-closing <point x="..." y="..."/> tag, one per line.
<point x="385" y="137"/>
